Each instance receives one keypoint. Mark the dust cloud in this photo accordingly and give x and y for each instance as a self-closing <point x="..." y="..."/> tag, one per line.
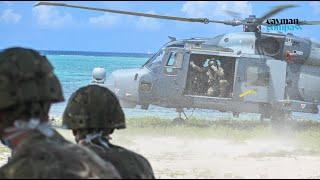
<point x="217" y="158"/>
<point x="192" y="157"/>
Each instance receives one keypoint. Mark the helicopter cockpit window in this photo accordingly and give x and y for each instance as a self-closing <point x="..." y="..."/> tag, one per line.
<point x="175" y="60"/>
<point x="173" y="63"/>
<point x="155" y="63"/>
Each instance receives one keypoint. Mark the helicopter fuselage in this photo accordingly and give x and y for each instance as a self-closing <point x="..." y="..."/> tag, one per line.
<point x="265" y="73"/>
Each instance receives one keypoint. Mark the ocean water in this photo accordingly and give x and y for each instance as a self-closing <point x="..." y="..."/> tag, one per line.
<point x="74" y="71"/>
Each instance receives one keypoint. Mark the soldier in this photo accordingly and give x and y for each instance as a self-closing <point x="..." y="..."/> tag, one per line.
<point x="28" y="87"/>
<point x="197" y="76"/>
<point x="98" y="75"/>
<point x="217" y="83"/>
<point x="93" y="113"/>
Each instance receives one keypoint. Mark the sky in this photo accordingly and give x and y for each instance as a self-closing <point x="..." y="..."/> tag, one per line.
<point x="59" y="28"/>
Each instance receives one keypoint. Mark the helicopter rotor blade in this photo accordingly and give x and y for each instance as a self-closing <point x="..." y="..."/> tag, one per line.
<point x="234" y="22"/>
<point x="275" y="11"/>
<point x="176" y="18"/>
<point x="233" y="14"/>
<point x="309" y="22"/>
<point x="226" y="22"/>
<point x="200" y="20"/>
<point x="301" y="23"/>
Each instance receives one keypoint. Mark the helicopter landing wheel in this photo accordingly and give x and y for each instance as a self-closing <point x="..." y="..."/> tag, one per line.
<point x="277" y="119"/>
<point x="281" y="120"/>
<point x="179" y="120"/>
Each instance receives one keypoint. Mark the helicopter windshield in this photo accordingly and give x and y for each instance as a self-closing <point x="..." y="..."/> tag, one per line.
<point x="155" y="61"/>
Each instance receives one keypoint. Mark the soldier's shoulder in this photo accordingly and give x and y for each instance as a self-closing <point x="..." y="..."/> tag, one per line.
<point x="99" y="167"/>
<point x="125" y="150"/>
<point x="53" y="159"/>
<point x="15" y="168"/>
<point x="137" y="156"/>
<point x="94" y="165"/>
<point x="143" y="166"/>
<point x="32" y="163"/>
<point x="34" y="160"/>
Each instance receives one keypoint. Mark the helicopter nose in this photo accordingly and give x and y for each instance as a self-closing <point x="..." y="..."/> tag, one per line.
<point x="125" y="86"/>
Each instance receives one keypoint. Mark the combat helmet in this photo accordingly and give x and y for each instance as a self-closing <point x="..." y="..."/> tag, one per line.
<point x="26" y="77"/>
<point x="93" y="107"/>
<point x="98" y="75"/>
<point x="214" y="62"/>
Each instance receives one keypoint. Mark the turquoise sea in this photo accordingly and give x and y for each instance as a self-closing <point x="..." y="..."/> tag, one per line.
<point x="74" y="71"/>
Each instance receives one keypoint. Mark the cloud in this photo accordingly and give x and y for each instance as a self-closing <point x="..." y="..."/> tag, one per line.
<point x="110" y="20"/>
<point x="50" y="17"/>
<point x="315" y="6"/>
<point x="145" y="23"/>
<point x="8" y="3"/>
<point x="216" y="9"/>
<point x="105" y="20"/>
<point x="9" y="16"/>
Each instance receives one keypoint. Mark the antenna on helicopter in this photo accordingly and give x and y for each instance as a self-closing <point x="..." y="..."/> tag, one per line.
<point x="172" y="38"/>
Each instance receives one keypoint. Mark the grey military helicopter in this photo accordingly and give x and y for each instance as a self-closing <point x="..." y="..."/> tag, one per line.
<point x="272" y="74"/>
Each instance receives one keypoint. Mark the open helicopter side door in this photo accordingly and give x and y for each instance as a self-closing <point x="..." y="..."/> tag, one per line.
<point x="259" y="80"/>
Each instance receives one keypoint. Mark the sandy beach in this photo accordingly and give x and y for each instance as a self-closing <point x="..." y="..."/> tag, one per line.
<point x="189" y="156"/>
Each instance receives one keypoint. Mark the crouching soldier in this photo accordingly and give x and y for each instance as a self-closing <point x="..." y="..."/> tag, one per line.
<point x="93" y="113"/>
<point x="28" y="87"/>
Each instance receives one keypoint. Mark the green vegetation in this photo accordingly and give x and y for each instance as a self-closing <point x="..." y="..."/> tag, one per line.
<point x="306" y="133"/>
<point x="194" y="128"/>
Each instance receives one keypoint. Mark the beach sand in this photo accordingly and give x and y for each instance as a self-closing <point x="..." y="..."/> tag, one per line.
<point x="174" y="156"/>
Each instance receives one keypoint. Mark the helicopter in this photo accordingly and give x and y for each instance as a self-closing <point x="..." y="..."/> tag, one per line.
<point x="272" y="74"/>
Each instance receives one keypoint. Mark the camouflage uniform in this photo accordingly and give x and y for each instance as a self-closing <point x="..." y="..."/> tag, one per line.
<point x="93" y="112"/>
<point x="198" y="78"/>
<point x="129" y="164"/>
<point x="28" y="87"/>
<point x="217" y="85"/>
<point x="40" y="157"/>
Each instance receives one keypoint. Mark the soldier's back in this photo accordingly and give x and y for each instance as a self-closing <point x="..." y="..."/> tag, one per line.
<point x="55" y="158"/>
<point x="129" y="164"/>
